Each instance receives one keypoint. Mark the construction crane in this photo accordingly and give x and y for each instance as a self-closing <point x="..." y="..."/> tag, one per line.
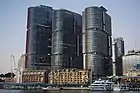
<point x="12" y="64"/>
<point x="14" y="69"/>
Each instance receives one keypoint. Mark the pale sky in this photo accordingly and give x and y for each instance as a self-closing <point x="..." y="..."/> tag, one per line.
<point x="13" y="15"/>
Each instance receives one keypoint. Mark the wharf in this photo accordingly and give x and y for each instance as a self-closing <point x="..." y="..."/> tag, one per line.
<point x="134" y="89"/>
<point x="134" y="86"/>
<point x="75" y="88"/>
<point x="38" y="86"/>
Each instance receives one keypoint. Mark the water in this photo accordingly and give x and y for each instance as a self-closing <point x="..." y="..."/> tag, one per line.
<point x="63" y="91"/>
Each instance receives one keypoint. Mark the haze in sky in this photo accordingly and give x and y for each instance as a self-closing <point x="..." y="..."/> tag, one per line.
<point x="13" y="16"/>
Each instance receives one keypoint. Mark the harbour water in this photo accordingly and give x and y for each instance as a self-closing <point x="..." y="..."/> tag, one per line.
<point x="63" y="91"/>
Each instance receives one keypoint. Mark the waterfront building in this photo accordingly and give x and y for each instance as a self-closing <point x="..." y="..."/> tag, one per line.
<point x="131" y="63"/>
<point x="69" y="76"/>
<point x="36" y="76"/>
<point x="129" y="79"/>
<point x="10" y="79"/>
<point x="97" y="41"/>
<point x="38" y="38"/>
<point x="119" y="52"/>
<point x="66" y="40"/>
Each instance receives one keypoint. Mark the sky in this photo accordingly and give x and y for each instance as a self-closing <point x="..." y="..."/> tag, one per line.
<point x="125" y="16"/>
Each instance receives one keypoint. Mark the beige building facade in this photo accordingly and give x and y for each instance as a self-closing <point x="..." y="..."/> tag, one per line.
<point x="131" y="63"/>
<point x="40" y="76"/>
<point x="69" y="76"/>
<point x="10" y="79"/>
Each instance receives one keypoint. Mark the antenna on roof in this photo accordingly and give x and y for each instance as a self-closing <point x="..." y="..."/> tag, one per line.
<point x="135" y="47"/>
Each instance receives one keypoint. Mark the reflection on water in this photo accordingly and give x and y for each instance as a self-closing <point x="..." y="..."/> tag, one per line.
<point x="75" y="91"/>
<point x="63" y="91"/>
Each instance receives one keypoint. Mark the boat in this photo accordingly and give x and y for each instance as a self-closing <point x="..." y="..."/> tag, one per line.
<point x="101" y="85"/>
<point x="51" y="89"/>
<point x="121" y="87"/>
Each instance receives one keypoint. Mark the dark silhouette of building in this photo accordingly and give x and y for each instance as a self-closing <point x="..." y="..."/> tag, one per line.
<point x="38" y="38"/>
<point x="97" y="41"/>
<point x="66" y="40"/>
<point x="119" y="52"/>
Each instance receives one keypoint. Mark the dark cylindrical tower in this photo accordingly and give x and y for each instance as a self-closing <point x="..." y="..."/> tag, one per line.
<point x="97" y="41"/>
<point x="38" y="40"/>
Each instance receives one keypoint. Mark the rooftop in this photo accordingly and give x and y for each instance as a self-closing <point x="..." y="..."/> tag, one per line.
<point x="133" y="52"/>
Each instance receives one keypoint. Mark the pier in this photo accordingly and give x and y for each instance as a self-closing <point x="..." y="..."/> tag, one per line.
<point x="33" y="86"/>
<point x="38" y="86"/>
<point x="29" y="86"/>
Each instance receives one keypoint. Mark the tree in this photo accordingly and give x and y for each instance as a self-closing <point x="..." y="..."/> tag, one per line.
<point x="9" y="74"/>
<point x="2" y="75"/>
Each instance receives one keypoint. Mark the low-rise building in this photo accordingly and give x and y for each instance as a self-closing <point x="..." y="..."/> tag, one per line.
<point x="9" y="79"/>
<point x="132" y="73"/>
<point x="131" y="63"/>
<point x="40" y="76"/>
<point x="69" y="76"/>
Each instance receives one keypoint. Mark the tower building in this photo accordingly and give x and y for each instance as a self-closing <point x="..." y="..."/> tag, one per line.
<point x="97" y="41"/>
<point x="38" y="38"/>
<point x="66" y="40"/>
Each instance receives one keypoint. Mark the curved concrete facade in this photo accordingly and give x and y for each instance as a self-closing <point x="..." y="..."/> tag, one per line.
<point x="97" y="40"/>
